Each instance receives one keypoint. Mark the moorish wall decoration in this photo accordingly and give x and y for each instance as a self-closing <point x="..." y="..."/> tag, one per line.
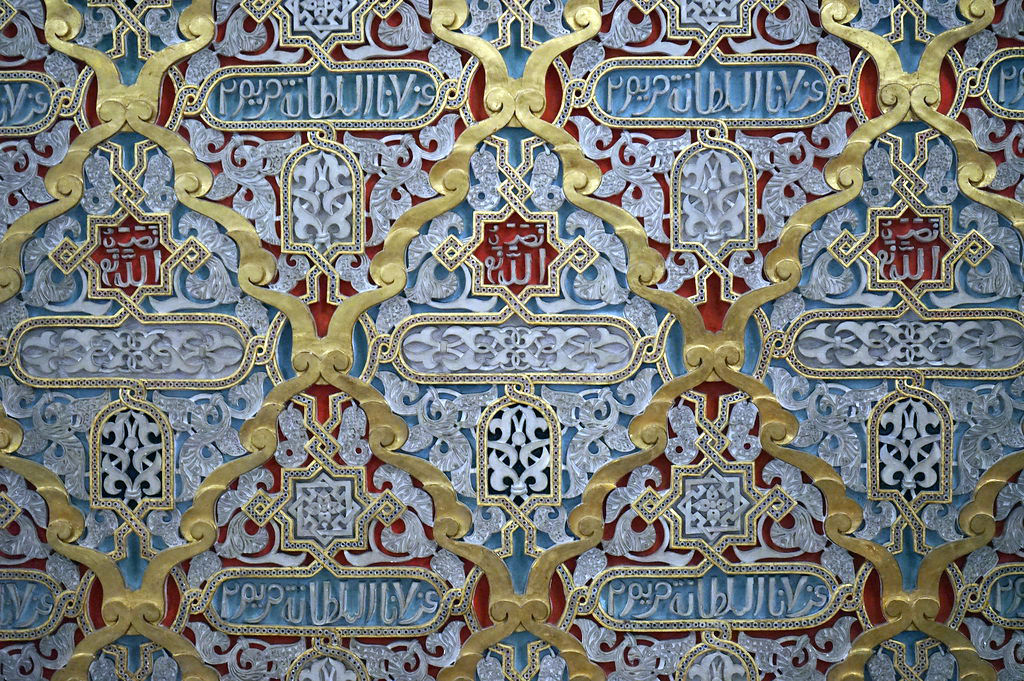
<point x="511" y="340"/>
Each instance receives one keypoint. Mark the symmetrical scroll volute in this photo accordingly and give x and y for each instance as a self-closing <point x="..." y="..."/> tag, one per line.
<point x="123" y="107"/>
<point x="903" y="96"/>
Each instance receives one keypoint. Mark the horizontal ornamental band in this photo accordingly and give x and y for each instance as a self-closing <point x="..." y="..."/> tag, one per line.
<point x="961" y="344"/>
<point x="766" y="90"/>
<point x="385" y="94"/>
<point x="171" y="352"/>
<point x="399" y="601"/>
<point x="439" y="353"/>
<point x="677" y="599"/>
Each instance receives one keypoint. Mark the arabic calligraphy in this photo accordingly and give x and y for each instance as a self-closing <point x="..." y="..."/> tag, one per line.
<point x="364" y="92"/>
<point x="346" y="340"/>
<point x="26" y="99"/>
<point x="27" y="602"/>
<point x="910" y="250"/>
<point x="129" y="256"/>
<point x="278" y="604"/>
<point x="515" y="254"/>
<point x="651" y="601"/>
<point x="773" y="93"/>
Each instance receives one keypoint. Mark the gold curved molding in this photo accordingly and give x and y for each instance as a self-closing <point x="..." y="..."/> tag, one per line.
<point x="836" y="14"/>
<point x="979" y="14"/>
<point x="123" y="107"/>
<point x="584" y="18"/>
<point x="843" y="173"/>
<point x="972" y="666"/>
<point x="63" y="23"/>
<point x="582" y="177"/>
<point x="388" y="432"/>
<point x="649" y="432"/>
<point x="181" y="649"/>
<point x="256" y="266"/>
<point x="851" y="668"/>
<point x="978" y="517"/>
<point x="63" y="182"/>
<point x="901" y="94"/>
<point x="975" y="168"/>
<point x="711" y="356"/>
<point x="473" y="650"/>
<point x="569" y="648"/>
<point x="446" y="18"/>
<point x="778" y="427"/>
<point x="65" y="523"/>
<point x="450" y="179"/>
<point x="77" y="668"/>
<point x="259" y="437"/>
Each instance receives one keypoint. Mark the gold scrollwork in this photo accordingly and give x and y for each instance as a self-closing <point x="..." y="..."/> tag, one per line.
<point x="707" y="355"/>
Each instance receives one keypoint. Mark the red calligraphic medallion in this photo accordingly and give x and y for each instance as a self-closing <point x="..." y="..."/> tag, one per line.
<point x="516" y="253"/>
<point x="129" y="256"/>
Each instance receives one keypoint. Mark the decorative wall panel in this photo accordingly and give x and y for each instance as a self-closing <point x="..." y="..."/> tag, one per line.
<point x="526" y="340"/>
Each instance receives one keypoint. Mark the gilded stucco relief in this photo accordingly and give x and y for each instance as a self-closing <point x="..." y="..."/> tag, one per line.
<point x="359" y="340"/>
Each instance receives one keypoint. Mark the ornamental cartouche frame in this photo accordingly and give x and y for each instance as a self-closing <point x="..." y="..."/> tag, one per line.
<point x="328" y="358"/>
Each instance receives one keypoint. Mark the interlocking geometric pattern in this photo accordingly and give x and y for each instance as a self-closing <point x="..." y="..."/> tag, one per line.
<point x="397" y="340"/>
